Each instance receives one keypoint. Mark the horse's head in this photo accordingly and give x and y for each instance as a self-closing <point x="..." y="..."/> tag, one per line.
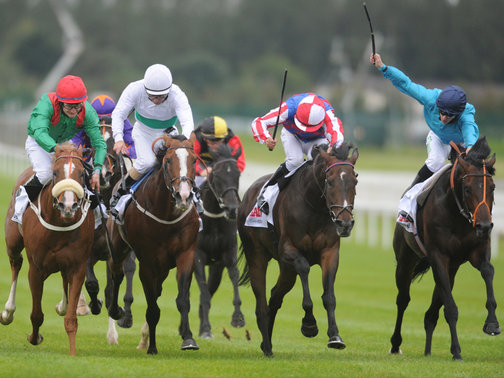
<point x="224" y="180"/>
<point x="111" y="163"/>
<point x="474" y="187"/>
<point x="339" y="185"/>
<point x="179" y="167"/>
<point x="68" y="181"/>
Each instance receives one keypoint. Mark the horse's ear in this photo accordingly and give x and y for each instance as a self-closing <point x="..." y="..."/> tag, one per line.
<point x="464" y="164"/>
<point x="192" y="139"/>
<point x="354" y="156"/>
<point x="79" y="150"/>
<point x="490" y="162"/>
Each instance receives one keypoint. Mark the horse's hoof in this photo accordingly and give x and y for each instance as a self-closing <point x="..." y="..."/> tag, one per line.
<point x="395" y="351"/>
<point x="206" y="335"/>
<point x="152" y="350"/>
<point x="336" y="343"/>
<point x="39" y="340"/>
<point x="458" y="358"/>
<point x="267" y="352"/>
<point x="6" y="317"/>
<point x="492" y="329"/>
<point x="237" y="320"/>
<point x="96" y="306"/>
<point x="309" y="330"/>
<point x="189" y="344"/>
<point x="126" y="321"/>
<point x="116" y="313"/>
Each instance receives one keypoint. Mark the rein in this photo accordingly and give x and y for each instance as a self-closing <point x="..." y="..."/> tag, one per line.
<point x="463" y="208"/>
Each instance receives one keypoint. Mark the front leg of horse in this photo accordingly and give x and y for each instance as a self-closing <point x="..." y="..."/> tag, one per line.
<point x="16" y="261"/>
<point x="329" y="301"/>
<point x="114" y="310"/>
<point x="71" y="324"/>
<point x="183" y="306"/>
<point x="205" y="297"/>
<point x="491" y="326"/>
<point x="309" y="326"/>
<point x="36" y="316"/>
<point x="237" y="319"/>
<point x="129" y="271"/>
<point x="92" y="287"/>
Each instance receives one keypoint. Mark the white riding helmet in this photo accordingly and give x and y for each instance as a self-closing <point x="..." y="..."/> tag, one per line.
<point x="157" y="80"/>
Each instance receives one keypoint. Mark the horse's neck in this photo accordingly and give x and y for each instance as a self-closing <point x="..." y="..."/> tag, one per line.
<point x="155" y="193"/>
<point x="308" y="184"/>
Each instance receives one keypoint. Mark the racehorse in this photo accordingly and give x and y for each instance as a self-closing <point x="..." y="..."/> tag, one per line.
<point x="217" y="241"/>
<point x="57" y="233"/>
<point x="161" y="226"/>
<point x="310" y="216"/>
<point x="109" y="176"/>
<point x="453" y="226"/>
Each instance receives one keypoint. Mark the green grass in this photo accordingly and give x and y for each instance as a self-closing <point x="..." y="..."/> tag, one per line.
<point x="365" y="313"/>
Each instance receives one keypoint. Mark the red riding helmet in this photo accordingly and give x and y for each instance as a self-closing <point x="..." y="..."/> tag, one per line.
<point x="71" y="89"/>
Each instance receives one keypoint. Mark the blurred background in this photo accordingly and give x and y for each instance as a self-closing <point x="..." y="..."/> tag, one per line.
<point x="229" y="56"/>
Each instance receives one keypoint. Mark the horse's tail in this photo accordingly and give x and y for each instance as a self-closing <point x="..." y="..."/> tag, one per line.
<point x="244" y="279"/>
<point x="421" y="268"/>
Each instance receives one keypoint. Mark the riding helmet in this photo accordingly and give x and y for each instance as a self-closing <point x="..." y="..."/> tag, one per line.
<point x="71" y="89"/>
<point x="310" y="113"/>
<point x="452" y="100"/>
<point x="157" y="80"/>
<point x="214" y="128"/>
<point x="104" y="105"/>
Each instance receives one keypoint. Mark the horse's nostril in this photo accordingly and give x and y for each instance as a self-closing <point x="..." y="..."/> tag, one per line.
<point x="75" y="206"/>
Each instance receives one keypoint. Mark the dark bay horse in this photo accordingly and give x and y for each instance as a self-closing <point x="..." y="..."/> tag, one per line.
<point x="57" y="234"/>
<point x="161" y="226"/>
<point x="110" y="175"/>
<point x="453" y="226"/>
<point x="217" y="242"/>
<point x="310" y="216"/>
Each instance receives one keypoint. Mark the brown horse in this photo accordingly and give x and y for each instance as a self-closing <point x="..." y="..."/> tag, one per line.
<point x="161" y="226"/>
<point x="310" y="216"/>
<point x="57" y="233"/>
<point x="453" y="226"/>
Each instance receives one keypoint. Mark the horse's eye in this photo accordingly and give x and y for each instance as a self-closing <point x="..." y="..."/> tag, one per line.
<point x="467" y="190"/>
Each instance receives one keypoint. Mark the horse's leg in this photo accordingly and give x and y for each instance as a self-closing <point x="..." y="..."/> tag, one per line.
<point x="62" y="306"/>
<point x="444" y="282"/>
<point x="486" y="269"/>
<point x="329" y="265"/>
<point x="152" y="286"/>
<point x="184" y="277"/>
<point x="204" y="306"/>
<point x="76" y="279"/>
<point x="285" y="282"/>
<point x="302" y="267"/>
<point x="237" y="320"/>
<point x="431" y="318"/>
<point x="115" y="273"/>
<point x="16" y="262"/>
<point x="37" y="316"/>
<point x="129" y="270"/>
<point x="92" y="286"/>
<point x="406" y="262"/>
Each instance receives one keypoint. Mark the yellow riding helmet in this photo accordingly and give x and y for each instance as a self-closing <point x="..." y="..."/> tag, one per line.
<point x="214" y="128"/>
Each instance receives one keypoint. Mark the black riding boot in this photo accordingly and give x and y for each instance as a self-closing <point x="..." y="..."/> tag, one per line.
<point x="128" y="181"/>
<point x="276" y="178"/>
<point x="423" y="174"/>
<point x="33" y="188"/>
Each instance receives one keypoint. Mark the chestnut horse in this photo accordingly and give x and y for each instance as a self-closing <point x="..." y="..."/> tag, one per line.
<point x="217" y="242"/>
<point x="161" y="226"/>
<point x="57" y="233"/>
<point x="453" y="226"/>
<point x="310" y="216"/>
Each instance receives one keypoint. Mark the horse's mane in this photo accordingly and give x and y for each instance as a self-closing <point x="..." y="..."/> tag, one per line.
<point x="223" y="152"/>
<point x="64" y="149"/>
<point x="478" y="153"/>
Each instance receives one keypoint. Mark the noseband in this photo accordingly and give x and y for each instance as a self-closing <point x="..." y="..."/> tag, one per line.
<point x="68" y="183"/>
<point x="463" y="208"/>
<point x="341" y="208"/>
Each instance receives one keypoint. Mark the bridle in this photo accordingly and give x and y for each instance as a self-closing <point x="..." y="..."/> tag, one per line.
<point x="463" y="208"/>
<point x="220" y="196"/>
<point x="171" y="180"/>
<point x="340" y="208"/>
<point x="68" y="181"/>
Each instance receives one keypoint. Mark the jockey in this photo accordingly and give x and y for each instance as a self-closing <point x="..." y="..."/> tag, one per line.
<point x="104" y="105"/>
<point x="212" y="133"/>
<point x="56" y="118"/>
<point x="158" y="105"/>
<point x="447" y="113"/>
<point x="308" y="120"/>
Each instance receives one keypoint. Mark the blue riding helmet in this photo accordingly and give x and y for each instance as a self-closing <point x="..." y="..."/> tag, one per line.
<point x="451" y="101"/>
